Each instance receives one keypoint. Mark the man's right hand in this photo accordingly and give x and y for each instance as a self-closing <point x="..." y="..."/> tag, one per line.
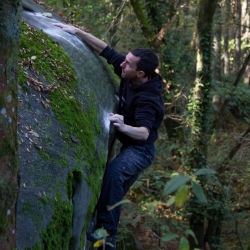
<point x="68" y="28"/>
<point x="97" y="44"/>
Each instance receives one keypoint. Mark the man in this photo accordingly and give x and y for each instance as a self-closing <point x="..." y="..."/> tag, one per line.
<point x="141" y="111"/>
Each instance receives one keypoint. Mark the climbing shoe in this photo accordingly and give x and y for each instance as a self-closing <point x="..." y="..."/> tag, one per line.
<point x="98" y="234"/>
<point x="110" y="242"/>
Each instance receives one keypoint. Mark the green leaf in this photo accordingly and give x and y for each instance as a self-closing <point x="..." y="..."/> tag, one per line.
<point x="184" y="244"/>
<point x="191" y="232"/>
<point x="118" y="204"/>
<point x="169" y="236"/>
<point x="109" y="244"/>
<point x="150" y="208"/>
<point x="181" y="196"/>
<point x="102" y="233"/>
<point x="205" y="171"/>
<point x="175" y="184"/>
<point x="171" y="201"/>
<point x="199" y="193"/>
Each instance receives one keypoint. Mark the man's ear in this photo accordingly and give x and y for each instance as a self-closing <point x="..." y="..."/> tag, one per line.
<point x="140" y="74"/>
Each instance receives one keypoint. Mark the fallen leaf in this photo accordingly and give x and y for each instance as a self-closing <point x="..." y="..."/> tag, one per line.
<point x="44" y="104"/>
<point x="38" y="147"/>
<point x="74" y="139"/>
<point x="49" y="15"/>
<point x="34" y="133"/>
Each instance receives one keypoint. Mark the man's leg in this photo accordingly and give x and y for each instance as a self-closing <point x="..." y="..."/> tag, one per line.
<point x="119" y="176"/>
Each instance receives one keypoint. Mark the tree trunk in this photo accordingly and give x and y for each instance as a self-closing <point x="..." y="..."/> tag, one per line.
<point x="226" y="16"/>
<point x="200" y="108"/>
<point x="10" y="16"/>
<point x="217" y="45"/>
<point x="238" y="36"/>
<point x="118" y="7"/>
<point x="142" y="17"/>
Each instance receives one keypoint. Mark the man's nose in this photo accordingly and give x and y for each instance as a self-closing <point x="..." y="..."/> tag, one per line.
<point x="122" y="64"/>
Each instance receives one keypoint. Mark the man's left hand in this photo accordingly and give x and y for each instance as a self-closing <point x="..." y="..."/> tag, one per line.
<point x="118" y="121"/>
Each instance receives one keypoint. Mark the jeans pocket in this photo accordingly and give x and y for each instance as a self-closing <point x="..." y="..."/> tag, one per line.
<point x="148" y="151"/>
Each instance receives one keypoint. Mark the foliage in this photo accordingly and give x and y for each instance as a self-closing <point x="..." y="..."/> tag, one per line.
<point x="238" y="98"/>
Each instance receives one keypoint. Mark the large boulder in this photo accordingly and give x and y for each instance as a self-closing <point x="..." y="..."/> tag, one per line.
<point x="65" y="95"/>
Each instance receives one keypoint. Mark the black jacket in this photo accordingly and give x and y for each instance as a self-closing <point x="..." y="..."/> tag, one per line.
<point x="141" y="105"/>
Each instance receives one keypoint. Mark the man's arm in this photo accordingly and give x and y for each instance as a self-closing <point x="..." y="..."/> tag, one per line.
<point x="97" y="44"/>
<point x="137" y="133"/>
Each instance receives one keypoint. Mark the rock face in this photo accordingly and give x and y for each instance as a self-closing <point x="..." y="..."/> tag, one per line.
<point x="66" y="93"/>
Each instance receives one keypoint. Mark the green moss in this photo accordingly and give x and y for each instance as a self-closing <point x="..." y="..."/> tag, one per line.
<point x="48" y="122"/>
<point x="44" y="199"/>
<point x="74" y="176"/>
<point x="8" y="194"/>
<point x="27" y="208"/>
<point x="7" y="148"/>
<point x="58" y="233"/>
<point x="38" y="246"/>
<point x="113" y="76"/>
<point x="64" y="162"/>
<point x="70" y="185"/>
<point x="43" y="154"/>
<point x="4" y="225"/>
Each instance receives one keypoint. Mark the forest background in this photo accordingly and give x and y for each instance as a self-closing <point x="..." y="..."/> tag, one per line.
<point x="196" y="194"/>
<point x="203" y="47"/>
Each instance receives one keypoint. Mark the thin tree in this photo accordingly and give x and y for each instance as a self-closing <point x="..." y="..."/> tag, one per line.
<point x="200" y="113"/>
<point x="237" y="35"/>
<point x="226" y="16"/>
<point x="10" y="16"/>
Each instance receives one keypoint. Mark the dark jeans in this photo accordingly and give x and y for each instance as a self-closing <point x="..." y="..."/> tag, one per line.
<point x="119" y="176"/>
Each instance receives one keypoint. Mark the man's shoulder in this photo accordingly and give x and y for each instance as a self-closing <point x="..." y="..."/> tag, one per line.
<point x="110" y="52"/>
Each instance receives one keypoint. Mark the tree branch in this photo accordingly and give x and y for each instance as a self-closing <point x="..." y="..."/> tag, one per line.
<point x="162" y="33"/>
<point x="115" y="20"/>
<point x="142" y="17"/>
<point x="237" y="147"/>
<point x="233" y="152"/>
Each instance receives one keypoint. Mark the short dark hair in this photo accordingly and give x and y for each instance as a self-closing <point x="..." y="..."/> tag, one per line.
<point x="148" y="61"/>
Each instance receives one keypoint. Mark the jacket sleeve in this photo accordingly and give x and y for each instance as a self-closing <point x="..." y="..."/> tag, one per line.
<point x="114" y="58"/>
<point x="147" y="112"/>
